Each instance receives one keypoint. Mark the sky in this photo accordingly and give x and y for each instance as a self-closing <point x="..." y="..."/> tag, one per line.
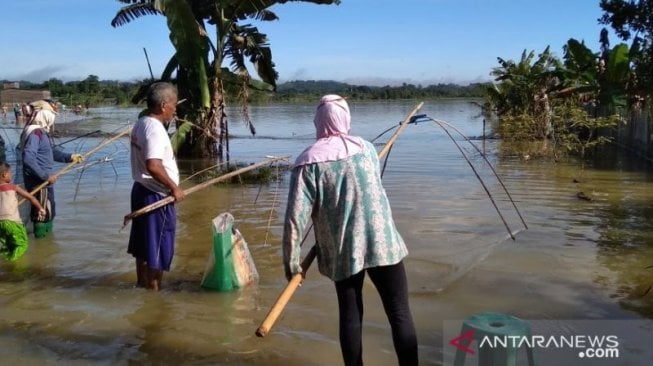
<point x="362" y="42"/>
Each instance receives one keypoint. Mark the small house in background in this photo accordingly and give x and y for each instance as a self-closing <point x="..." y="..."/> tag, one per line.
<point x="11" y="93"/>
<point x="11" y="85"/>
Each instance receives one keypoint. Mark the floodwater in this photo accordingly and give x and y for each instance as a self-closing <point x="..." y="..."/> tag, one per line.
<point x="71" y="299"/>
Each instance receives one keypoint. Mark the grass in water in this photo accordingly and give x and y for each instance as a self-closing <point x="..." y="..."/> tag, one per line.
<point x="262" y="175"/>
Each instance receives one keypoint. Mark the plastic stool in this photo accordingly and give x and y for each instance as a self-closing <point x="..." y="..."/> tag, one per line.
<point x="491" y="325"/>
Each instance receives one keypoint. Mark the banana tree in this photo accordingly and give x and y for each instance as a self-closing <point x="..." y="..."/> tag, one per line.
<point x="580" y="70"/>
<point x="523" y="86"/>
<point x="591" y="76"/>
<point x="633" y="20"/>
<point x="199" y="58"/>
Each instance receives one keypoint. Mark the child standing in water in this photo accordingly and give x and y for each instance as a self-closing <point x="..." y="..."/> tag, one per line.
<point x="13" y="236"/>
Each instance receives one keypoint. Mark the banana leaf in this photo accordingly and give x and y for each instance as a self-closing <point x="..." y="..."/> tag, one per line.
<point x="178" y="138"/>
<point x="190" y="44"/>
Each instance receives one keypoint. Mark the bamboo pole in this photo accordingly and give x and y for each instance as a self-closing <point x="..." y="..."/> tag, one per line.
<point x="296" y="280"/>
<point x="70" y="165"/>
<point x="210" y="182"/>
<point x="148" y="64"/>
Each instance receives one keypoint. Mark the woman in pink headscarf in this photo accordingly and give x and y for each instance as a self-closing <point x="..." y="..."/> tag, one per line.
<point x="336" y="182"/>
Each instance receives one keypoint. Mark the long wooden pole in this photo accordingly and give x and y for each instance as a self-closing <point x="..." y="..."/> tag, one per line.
<point x="193" y="189"/>
<point x="68" y="167"/>
<point x="148" y="63"/>
<point x="296" y="280"/>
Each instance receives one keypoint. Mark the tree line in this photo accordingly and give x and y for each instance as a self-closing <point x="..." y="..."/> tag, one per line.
<point x="310" y="90"/>
<point x="95" y="92"/>
<point x="88" y="92"/>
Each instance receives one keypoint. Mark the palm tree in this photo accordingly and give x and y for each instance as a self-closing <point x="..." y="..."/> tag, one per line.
<point x="198" y="61"/>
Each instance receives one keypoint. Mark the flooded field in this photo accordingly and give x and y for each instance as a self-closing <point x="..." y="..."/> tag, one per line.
<point x="71" y="299"/>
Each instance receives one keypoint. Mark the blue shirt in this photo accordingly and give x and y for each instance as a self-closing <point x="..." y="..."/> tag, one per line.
<point x="39" y="156"/>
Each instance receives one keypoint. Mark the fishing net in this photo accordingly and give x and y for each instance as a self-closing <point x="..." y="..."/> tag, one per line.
<point x="230" y="265"/>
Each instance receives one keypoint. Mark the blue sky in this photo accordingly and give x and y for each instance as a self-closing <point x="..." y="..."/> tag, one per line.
<point x="373" y="42"/>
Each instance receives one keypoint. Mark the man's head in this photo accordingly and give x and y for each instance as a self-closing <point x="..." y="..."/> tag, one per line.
<point x="162" y="101"/>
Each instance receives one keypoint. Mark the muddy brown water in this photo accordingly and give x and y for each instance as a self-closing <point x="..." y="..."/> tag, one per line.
<point x="71" y="299"/>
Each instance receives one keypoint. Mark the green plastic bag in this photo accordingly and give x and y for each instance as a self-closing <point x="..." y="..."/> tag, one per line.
<point x="230" y="265"/>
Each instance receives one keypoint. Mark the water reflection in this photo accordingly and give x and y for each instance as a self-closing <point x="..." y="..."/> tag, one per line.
<point x="611" y="223"/>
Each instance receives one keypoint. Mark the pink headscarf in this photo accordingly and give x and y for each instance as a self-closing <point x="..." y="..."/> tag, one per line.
<point x="332" y="124"/>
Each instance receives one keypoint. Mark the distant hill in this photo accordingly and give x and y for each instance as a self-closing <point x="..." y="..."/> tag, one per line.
<point x="92" y="91"/>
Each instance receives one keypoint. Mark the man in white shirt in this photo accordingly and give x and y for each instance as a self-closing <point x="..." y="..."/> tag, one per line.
<point x="155" y="174"/>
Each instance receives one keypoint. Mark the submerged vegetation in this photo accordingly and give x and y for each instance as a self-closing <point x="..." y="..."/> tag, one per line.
<point x="262" y="175"/>
<point x="572" y="131"/>
<point x="548" y="107"/>
<point x="574" y="103"/>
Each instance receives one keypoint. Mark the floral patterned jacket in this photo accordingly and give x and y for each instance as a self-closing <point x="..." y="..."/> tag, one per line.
<point x="354" y="229"/>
